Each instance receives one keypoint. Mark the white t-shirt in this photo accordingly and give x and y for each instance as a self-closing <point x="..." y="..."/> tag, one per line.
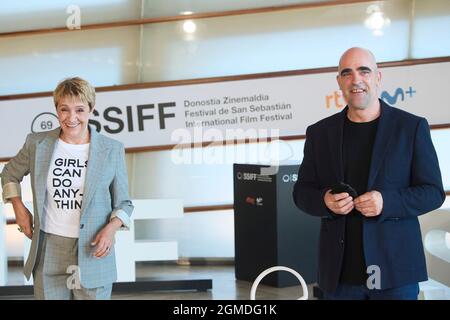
<point x="65" y="187"/>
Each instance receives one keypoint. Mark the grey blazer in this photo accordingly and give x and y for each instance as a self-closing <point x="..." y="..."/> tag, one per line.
<point x="105" y="197"/>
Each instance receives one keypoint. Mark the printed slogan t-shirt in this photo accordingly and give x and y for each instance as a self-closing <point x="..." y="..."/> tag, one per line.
<point x="65" y="187"/>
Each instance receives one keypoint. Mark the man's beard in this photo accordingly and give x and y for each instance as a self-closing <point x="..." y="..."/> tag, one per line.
<point x="362" y="105"/>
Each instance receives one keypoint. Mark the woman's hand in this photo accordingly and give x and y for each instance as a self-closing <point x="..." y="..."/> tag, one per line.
<point x="24" y="218"/>
<point x="104" y="240"/>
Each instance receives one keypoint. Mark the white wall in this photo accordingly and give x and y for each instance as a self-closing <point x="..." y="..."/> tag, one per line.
<point x="432" y="22"/>
<point x="38" y="63"/>
<point x="296" y="39"/>
<point x="42" y="14"/>
<point x="199" y="234"/>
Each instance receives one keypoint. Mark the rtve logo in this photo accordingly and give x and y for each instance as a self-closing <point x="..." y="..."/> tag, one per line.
<point x="335" y="100"/>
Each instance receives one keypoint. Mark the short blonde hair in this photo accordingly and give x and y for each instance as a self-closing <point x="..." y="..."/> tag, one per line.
<point x="75" y="88"/>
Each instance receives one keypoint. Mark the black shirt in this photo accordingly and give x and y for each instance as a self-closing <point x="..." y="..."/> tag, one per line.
<point x="358" y="141"/>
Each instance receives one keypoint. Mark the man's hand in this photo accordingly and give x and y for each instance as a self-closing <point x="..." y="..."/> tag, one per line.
<point x="104" y="240"/>
<point x="24" y="218"/>
<point x="369" y="204"/>
<point x="340" y="203"/>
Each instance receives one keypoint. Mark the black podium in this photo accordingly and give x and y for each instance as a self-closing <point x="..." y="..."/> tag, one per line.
<point x="269" y="229"/>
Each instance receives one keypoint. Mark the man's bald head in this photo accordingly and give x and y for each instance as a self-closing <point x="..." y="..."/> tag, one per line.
<point x="359" y="52"/>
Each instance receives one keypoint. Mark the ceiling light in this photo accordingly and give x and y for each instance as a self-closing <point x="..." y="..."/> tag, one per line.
<point x="376" y="20"/>
<point x="189" y="26"/>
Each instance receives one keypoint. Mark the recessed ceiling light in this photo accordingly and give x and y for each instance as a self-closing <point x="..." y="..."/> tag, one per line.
<point x="189" y="26"/>
<point x="376" y="20"/>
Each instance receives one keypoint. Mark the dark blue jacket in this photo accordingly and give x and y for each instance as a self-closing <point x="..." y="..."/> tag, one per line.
<point x="404" y="169"/>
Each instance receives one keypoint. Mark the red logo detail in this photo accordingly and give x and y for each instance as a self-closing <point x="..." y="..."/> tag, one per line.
<point x="250" y="200"/>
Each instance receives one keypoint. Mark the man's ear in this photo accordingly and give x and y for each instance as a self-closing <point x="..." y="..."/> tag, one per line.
<point x="379" y="77"/>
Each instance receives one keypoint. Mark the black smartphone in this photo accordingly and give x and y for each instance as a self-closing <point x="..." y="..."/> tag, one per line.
<point x="343" y="187"/>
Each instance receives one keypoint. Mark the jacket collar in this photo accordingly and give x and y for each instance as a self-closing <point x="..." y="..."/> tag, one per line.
<point x="383" y="137"/>
<point x="98" y="152"/>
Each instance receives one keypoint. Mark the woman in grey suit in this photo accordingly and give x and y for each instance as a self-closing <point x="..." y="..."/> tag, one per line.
<point x="80" y="200"/>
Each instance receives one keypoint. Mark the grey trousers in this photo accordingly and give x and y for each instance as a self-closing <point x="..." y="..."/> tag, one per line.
<point x="55" y="273"/>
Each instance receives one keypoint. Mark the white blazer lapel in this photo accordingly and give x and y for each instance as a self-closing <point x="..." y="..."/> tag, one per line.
<point x="97" y="155"/>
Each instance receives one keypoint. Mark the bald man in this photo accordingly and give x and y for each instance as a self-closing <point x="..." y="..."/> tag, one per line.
<point x="370" y="244"/>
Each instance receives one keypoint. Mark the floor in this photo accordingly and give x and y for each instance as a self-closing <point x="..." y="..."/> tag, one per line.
<point x="225" y="286"/>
